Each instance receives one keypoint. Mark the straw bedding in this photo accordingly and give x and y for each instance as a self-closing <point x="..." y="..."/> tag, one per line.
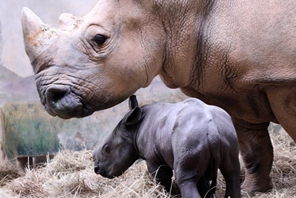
<point x="70" y="174"/>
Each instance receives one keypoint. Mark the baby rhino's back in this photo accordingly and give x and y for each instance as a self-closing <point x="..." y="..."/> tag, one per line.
<point x="197" y="123"/>
<point x="193" y="114"/>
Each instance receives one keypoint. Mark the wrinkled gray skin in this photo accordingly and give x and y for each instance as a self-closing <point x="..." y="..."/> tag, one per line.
<point x="235" y="54"/>
<point x="190" y="137"/>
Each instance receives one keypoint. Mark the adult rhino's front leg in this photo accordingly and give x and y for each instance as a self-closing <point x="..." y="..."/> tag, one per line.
<point x="257" y="153"/>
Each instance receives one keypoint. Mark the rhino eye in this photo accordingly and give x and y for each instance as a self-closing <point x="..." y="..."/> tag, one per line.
<point x="107" y="149"/>
<point x="99" y="39"/>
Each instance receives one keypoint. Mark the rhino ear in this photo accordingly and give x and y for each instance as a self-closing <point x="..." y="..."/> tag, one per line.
<point x="133" y="117"/>
<point x="133" y="102"/>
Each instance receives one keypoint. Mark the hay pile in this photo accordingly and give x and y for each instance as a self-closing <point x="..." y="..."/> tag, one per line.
<point x="70" y="174"/>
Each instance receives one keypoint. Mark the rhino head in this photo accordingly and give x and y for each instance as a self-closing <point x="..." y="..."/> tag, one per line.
<point x="118" y="152"/>
<point x="94" y="62"/>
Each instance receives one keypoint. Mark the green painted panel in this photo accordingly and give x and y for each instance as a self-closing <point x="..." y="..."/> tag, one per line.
<point x="28" y="130"/>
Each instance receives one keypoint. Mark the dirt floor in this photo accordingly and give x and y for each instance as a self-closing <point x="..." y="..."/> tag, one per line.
<point x="70" y="174"/>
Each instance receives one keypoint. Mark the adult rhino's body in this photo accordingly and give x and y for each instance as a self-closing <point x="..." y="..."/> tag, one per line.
<point x="239" y="55"/>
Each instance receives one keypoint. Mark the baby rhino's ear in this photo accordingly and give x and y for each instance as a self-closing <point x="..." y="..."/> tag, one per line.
<point x="133" y="117"/>
<point x="133" y="102"/>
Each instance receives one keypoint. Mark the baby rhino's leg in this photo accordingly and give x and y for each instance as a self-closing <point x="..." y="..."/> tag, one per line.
<point x="187" y="182"/>
<point x="162" y="173"/>
<point x="189" y="174"/>
<point x="230" y="169"/>
<point x="189" y="189"/>
<point x="204" y="188"/>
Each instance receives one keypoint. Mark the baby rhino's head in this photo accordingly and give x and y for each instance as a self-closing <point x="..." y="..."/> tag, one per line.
<point x="118" y="152"/>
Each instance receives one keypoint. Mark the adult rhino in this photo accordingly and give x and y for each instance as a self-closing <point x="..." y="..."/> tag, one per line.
<point x="239" y="55"/>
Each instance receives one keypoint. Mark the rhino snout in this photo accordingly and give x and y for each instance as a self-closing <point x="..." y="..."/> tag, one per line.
<point x="62" y="102"/>
<point x="100" y="171"/>
<point x="97" y="169"/>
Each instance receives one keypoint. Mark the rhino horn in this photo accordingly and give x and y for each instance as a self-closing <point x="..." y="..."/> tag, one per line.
<point x="37" y="35"/>
<point x="68" y="22"/>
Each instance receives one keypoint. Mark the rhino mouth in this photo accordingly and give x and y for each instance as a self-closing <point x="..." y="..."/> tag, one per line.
<point x="100" y="171"/>
<point x="62" y="102"/>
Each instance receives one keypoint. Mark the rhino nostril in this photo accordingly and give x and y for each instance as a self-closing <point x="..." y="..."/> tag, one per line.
<point x="61" y="101"/>
<point x="96" y="169"/>
<point x="54" y="95"/>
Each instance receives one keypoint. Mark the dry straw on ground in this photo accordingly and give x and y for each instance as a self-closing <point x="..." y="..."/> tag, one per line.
<point x="70" y="174"/>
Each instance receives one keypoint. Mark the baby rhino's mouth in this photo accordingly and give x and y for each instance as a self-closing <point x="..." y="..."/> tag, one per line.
<point x="100" y="171"/>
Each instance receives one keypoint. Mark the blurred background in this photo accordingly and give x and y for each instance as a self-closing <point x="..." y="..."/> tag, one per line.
<point x="13" y="55"/>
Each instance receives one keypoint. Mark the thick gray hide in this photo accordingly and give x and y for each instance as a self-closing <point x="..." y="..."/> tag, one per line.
<point x="190" y="137"/>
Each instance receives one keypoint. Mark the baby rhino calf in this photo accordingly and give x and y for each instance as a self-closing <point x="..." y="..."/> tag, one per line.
<point x="190" y="137"/>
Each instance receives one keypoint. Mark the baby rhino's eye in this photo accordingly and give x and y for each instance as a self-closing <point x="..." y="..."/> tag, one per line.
<point x="107" y="149"/>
